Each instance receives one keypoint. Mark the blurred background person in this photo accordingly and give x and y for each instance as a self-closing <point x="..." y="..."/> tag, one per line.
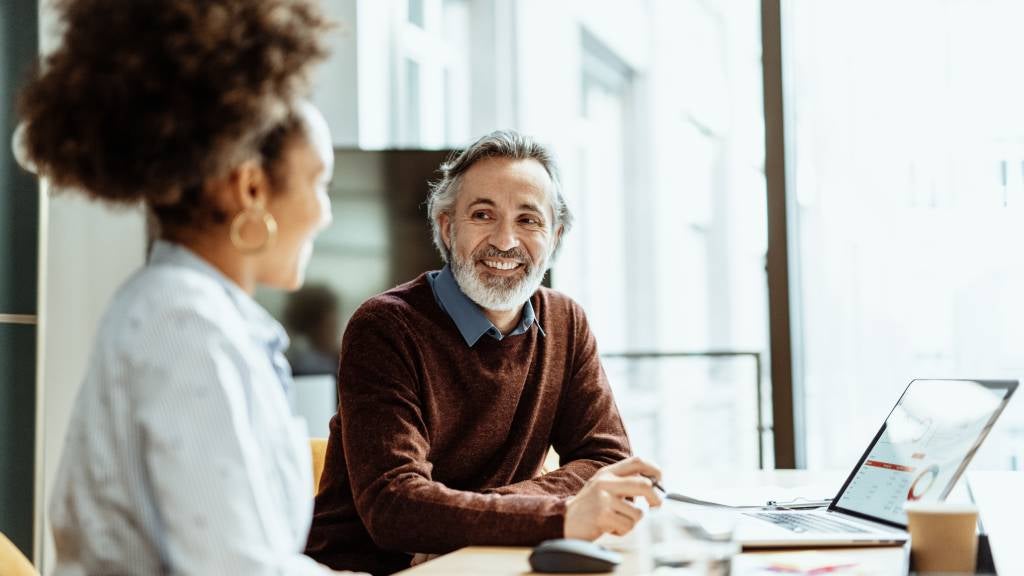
<point x="311" y="316"/>
<point x="182" y="455"/>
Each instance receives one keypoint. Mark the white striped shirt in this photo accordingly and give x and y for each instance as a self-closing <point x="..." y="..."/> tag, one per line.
<point x="182" y="456"/>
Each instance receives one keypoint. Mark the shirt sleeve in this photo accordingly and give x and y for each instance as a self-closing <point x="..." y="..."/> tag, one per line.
<point x="201" y="456"/>
<point x="386" y="447"/>
<point x="588" y="432"/>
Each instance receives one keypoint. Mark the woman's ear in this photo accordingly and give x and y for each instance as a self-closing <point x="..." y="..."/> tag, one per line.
<point x="248" y="186"/>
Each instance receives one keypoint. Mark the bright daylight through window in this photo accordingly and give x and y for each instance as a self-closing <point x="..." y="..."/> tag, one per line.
<point x="907" y="169"/>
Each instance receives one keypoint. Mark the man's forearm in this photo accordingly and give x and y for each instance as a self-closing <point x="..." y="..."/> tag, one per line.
<point x="421" y="516"/>
<point x="562" y="482"/>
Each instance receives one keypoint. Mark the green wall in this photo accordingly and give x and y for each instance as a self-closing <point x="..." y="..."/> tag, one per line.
<point x="19" y="231"/>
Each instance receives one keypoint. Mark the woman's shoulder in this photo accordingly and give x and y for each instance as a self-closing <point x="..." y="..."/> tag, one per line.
<point x="168" y="302"/>
<point x="166" y="288"/>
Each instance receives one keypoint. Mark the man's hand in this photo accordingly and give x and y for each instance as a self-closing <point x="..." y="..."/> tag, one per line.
<point x="604" y="504"/>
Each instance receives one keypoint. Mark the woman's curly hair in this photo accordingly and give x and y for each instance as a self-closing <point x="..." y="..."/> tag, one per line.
<point x="147" y="99"/>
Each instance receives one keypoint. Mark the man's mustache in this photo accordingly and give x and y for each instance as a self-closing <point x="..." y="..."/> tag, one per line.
<point x="517" y="254"/>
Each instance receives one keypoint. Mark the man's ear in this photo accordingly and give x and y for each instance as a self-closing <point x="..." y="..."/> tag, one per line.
<point x="558" y="238"/>
<point x="443" y="222"/>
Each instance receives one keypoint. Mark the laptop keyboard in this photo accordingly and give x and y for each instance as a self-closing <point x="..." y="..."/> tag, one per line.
<point x="806" y="522"/>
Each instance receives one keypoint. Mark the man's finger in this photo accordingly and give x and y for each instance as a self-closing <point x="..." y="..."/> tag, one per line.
<point x="635" y="465"/>
<point x="626" y="509"/>
<point x="624" y="487"/>
<point x="617" y="524"/>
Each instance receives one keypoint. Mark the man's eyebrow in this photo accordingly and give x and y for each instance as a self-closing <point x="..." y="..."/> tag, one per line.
<point x="486" y="201"/>
<point x="532" y="207"/>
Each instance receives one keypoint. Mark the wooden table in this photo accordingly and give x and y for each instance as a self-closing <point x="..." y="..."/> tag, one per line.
<point x="640" y="548"/>
<point x="493" y="561"/>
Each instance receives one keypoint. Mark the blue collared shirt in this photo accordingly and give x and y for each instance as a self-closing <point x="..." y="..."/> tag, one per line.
<point x="469" y="318"/>
<point x="182" y="456"/>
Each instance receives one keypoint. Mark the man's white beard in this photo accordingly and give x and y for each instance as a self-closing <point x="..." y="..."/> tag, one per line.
<point x="497" y="293"/>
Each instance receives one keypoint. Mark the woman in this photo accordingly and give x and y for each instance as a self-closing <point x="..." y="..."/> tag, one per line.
<point x="181" y="456"/>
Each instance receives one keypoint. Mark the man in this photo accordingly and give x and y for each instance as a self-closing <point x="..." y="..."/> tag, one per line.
<point x="453" y="387"/>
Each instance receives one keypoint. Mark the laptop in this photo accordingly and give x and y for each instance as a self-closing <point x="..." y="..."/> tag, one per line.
<point x="921" y="450"/>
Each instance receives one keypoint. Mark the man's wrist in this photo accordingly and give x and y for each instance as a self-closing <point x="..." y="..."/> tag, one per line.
<point x="562" y="509"/>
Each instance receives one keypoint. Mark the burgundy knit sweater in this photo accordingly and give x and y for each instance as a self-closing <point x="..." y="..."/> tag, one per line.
<point x="438" y="445"/>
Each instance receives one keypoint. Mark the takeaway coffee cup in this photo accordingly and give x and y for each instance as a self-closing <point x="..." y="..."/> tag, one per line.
<point x="943" y="537"/>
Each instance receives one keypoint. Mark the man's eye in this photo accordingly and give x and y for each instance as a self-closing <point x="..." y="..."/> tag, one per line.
<point x="481" y="215"/>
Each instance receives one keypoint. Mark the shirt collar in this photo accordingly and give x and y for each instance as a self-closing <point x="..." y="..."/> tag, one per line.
<point x="469" y="318"/>
<point x="264" y="327"/>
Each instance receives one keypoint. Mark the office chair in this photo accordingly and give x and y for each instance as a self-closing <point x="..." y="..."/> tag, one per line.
<point x="318" y="447"/>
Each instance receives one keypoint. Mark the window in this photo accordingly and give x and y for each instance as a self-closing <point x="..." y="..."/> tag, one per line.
<point x="432" y="51"/>
<point x="907" y="173"/>
<point x="415" y="13"/>
<point x="668" y="254"/>
<point x="600" y="196"/>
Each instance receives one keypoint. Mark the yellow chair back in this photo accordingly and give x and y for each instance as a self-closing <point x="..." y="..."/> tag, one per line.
<point x="318" y="446"/>
<point x="12" y="561"/>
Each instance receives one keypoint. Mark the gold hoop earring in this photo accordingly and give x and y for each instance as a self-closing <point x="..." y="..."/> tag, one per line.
<point x="253" y="214"/>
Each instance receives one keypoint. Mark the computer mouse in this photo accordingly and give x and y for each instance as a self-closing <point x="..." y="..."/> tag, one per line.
<point x="567" y="556"/>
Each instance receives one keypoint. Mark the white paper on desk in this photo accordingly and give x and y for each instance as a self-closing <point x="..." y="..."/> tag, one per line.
<point x="760" y="495"/>
<point x="803" y="562"/>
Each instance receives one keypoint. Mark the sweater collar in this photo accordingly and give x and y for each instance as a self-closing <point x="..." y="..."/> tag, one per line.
<point x="469" y="318"/>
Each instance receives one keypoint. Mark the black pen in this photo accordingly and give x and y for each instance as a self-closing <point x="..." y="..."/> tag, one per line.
<point x="656" y="484"/>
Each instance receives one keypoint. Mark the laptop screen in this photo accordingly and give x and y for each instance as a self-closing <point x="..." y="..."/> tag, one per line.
<point x="923" y="446"/>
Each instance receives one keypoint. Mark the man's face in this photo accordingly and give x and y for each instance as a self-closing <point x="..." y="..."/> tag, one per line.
<point x="501" y="231"/>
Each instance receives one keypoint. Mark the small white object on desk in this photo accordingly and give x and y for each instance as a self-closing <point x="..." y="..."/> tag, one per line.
<point x="999" y="497"/>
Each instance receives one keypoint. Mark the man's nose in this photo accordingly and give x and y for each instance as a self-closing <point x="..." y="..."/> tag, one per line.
<point x="504" y="236"/>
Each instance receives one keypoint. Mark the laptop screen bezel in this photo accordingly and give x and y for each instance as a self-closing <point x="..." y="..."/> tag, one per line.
<point x="1009" y="386"/>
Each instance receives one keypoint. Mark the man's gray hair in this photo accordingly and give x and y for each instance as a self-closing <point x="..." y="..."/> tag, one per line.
<point x="497" y="144"/>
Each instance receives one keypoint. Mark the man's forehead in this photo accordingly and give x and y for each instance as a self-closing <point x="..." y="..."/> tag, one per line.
<point x="524" y="182"/>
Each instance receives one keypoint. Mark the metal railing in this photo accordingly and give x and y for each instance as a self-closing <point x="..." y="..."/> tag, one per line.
<point x="758" y="376"/>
